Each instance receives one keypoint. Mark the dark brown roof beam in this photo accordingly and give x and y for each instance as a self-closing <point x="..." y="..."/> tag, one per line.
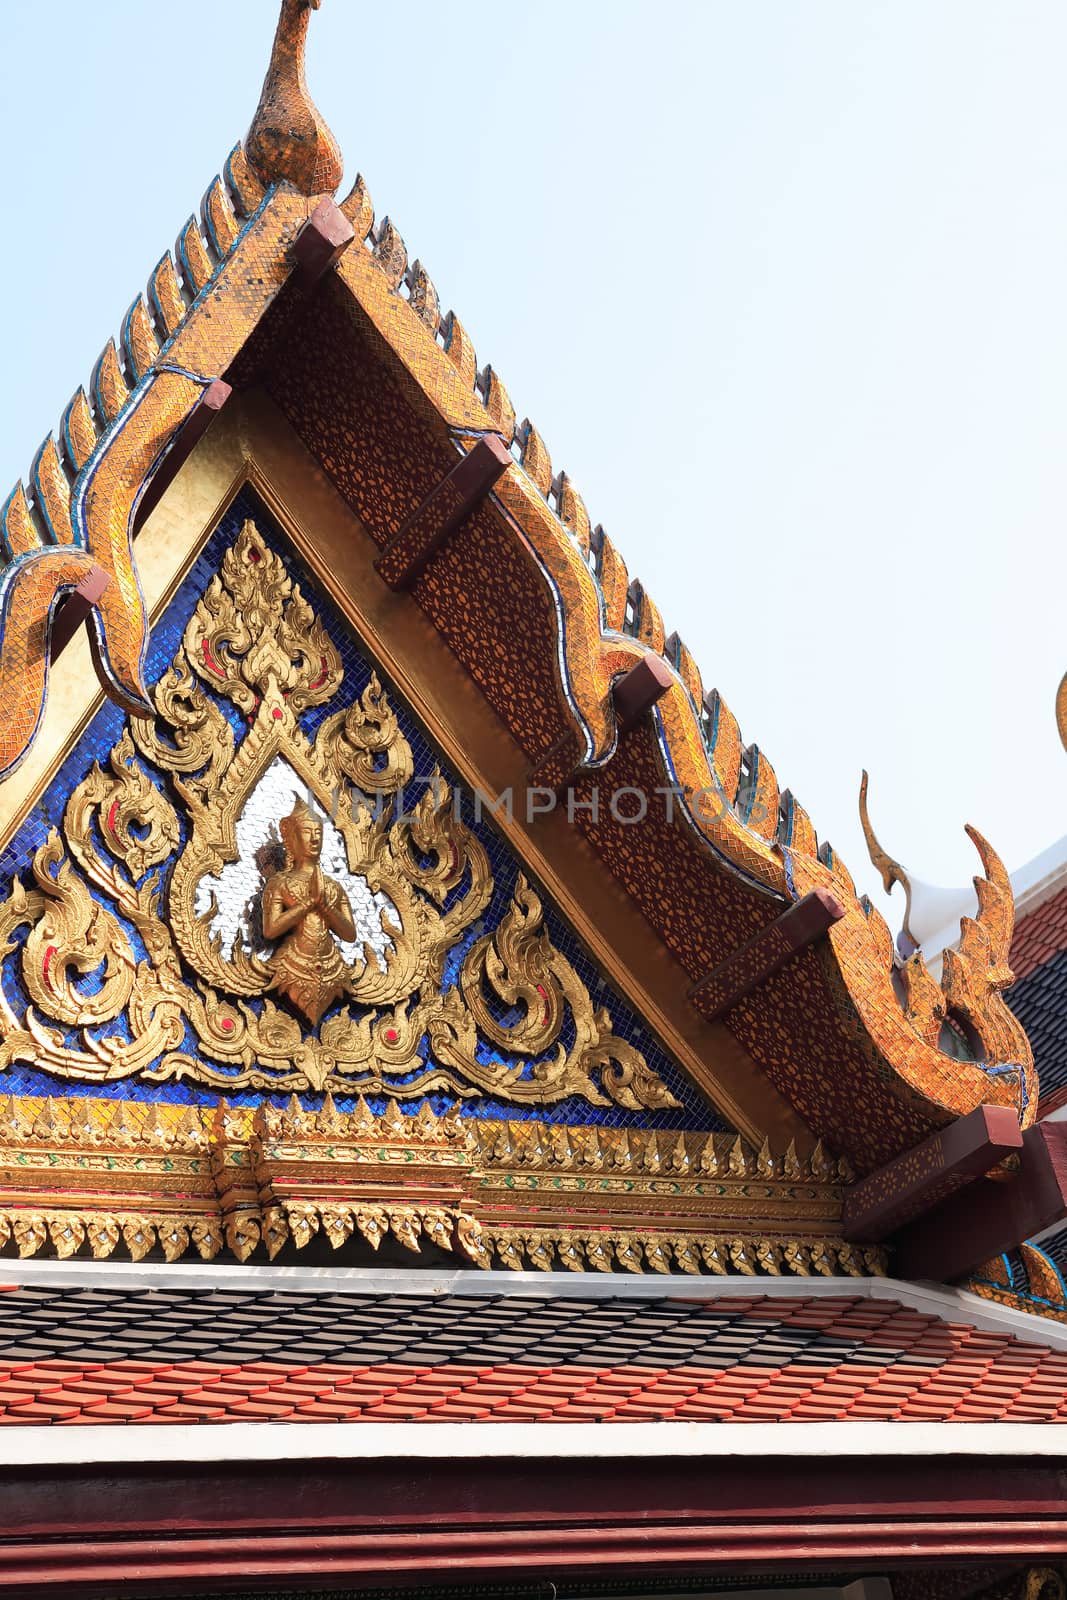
<point x="634" y="694"/>
<point x="321" y="242"/>
<point x="766" y="953"/>
<point x="990" y="1217"/>
<point x="75" y="607"/>
<point x="637" y="691"/>
<point x="442" y="512"/>
<point x="187" y="438"/>
<point x="921" y="1179"/>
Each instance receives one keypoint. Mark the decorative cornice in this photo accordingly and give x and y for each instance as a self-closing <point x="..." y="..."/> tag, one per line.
<point x="107" y="1175"/>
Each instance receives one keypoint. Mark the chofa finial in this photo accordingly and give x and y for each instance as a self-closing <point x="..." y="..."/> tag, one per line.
<point x="288" y="141"/>
<point x="892" y="872"/>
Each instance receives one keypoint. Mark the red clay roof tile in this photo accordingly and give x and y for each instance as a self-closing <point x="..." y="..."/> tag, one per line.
<point x="753" y="1360"/>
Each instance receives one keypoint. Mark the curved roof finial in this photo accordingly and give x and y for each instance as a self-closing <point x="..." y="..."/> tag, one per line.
<point x="1061" y="709"/>
<point x="892" y="872"/>
<point x="288" y="141"/>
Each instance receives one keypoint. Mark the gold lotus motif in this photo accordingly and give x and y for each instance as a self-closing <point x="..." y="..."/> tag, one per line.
<point x="300" y="930"/>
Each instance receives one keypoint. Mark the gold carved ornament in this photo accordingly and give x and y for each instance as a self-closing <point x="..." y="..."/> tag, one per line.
<point x="119" y="1176"/>
<point x="256" y="867"/>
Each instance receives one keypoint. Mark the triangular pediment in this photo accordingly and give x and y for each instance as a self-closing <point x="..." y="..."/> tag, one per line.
<point x="164" y="938"/>
<point x="276" y="975"/>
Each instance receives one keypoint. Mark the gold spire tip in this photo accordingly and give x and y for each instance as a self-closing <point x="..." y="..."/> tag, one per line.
<point x="289" y="141"/>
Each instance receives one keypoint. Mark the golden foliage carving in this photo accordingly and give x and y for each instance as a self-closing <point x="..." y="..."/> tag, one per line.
<point x="228" y="956"/>
<point x="74" y="933"/>
<point x="254" y="629"/>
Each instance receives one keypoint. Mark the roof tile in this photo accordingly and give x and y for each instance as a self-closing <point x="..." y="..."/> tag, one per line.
<point x="211" y="1357"/>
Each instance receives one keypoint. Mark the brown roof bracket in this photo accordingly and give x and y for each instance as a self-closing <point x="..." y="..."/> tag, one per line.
<point x="637" y="691"/>
<point x="187" y="438"/>
<point x="73" y="610"/>
<point x="442" y="512"/>
<point x="634" y="694"/>
<point x="922" y="1178"/>
<point x="987" y="1218"/>
<point x="765" y="954"/>
<point x="321" y="242"/>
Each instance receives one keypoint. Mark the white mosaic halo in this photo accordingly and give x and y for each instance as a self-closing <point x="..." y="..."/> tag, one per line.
<point x="238" y="886"/>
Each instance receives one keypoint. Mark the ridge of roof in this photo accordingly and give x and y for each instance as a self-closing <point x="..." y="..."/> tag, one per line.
<point x="33" y="520"/>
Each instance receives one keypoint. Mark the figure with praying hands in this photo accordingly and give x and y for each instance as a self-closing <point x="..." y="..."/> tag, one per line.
<point x="307" y="911"/>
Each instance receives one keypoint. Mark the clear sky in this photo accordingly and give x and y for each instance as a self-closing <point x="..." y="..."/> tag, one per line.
<point x="781" y="285"/>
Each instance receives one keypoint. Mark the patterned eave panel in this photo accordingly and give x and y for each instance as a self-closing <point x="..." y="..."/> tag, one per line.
<point x="861" y="1065"/>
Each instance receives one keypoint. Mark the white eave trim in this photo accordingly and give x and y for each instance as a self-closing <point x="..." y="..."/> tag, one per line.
<point x="933" y="1299"/>
<point x="436" y="1441"/>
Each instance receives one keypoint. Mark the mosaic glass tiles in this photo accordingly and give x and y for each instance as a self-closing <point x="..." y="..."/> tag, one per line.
<point x="679" y="1105"/>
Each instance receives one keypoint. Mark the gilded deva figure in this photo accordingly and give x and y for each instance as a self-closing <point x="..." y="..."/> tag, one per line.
<point x="304" y="909"/>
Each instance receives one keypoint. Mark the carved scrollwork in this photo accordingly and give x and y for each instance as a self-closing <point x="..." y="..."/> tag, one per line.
<point x="366" y="745"/>
<point x="253" y="626"/>
<point x="74" y="934"/>
<point x="295" y="918"/>
<point x="200" y="740"/>
<point x="517" y="963"/>
<point x="137" y="821"/>
<point x="521" y="968"/>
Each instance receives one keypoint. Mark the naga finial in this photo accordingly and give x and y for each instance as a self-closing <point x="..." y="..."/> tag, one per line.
<point x="892" y="872"/>
<point x="288" y="141"/>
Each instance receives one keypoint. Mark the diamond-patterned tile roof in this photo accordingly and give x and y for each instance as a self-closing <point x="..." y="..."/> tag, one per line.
<point x="1039" y="995"/>
<point x="1040" y="934"/>
<point x="172" y="1355"/>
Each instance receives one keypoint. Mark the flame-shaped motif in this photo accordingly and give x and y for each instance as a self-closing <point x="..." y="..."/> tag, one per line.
<point x="288" y="141"/>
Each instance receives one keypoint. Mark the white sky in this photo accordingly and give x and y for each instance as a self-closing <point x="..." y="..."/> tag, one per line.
<point x="781" y="285"/>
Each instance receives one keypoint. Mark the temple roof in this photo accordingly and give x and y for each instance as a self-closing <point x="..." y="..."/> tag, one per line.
<point x="312" y="313"/>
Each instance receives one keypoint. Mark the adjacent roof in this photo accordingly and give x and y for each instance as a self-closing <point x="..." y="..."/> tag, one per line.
<point x="139" y="1354"/>
<point x="1039" y="962"/>
<point x="1031" y="1278"/>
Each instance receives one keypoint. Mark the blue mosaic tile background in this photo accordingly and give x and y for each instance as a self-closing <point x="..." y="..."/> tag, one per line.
<point x="104" y="731"/>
